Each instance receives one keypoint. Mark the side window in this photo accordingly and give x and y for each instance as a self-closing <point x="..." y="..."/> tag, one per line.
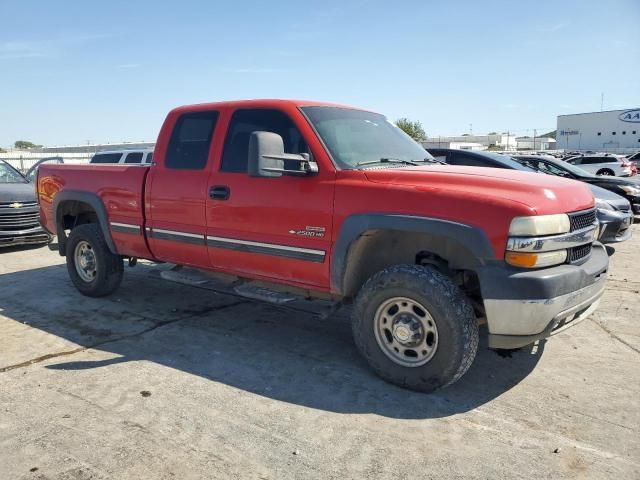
<point x="135" y="157"/>
<point x="469" y="160"/>
<point x="441" y="155"/>
<point x="190" y="140"/>
<point x="106" y="158"/>
<point x="235" y="157"/>
<point x="149" y="158"/>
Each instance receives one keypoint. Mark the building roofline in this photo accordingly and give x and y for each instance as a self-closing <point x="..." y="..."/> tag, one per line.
<point x="602" y="111"/>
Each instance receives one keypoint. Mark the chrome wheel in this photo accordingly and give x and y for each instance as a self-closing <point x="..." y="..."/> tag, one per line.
<point x="406" y="332"/>
<point x="85" y="261"/>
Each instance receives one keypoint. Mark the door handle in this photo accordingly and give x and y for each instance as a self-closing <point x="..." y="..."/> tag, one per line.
<point x="219" y="192"/>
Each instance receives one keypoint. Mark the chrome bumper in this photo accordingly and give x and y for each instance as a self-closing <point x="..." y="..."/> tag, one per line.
<point x="516" y="323"/>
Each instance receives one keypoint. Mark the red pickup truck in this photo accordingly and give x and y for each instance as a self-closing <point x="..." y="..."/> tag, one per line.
<point x="336" y="202"/>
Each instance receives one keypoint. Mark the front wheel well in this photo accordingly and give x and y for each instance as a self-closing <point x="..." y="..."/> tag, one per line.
<point x="376" y="250"/>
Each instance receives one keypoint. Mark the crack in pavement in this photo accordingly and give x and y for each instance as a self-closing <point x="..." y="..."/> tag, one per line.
<point x="65" y="353"/>
<point x="614" y="336"/>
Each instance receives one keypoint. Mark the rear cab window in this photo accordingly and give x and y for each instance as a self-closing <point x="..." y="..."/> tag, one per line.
<point x="134" y="157"/>
<point x="106" y="158"/>
<point x="191" y="140"/>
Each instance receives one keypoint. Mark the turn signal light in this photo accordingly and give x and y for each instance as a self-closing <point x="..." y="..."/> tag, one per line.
<point x="535" y="260"/>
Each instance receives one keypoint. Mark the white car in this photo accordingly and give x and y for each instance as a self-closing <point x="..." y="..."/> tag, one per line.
<point x="603" y="164"/>
<point x="142" y="156"/>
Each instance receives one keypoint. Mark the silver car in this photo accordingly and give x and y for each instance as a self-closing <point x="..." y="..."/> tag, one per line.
<point x="603" y="164"/>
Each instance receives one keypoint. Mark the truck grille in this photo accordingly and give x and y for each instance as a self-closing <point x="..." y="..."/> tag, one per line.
<point x="580" y="220"/>
<point x="576" y="254"/>
<point x="16" y="216"/>
<point x="18" y="221"/>
<point x="9" y="206"/>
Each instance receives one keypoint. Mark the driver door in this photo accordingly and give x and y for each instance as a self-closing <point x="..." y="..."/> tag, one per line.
<point x="272" y="228"/>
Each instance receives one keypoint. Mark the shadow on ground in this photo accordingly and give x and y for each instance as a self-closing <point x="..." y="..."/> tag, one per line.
<point x="286" y="355"/>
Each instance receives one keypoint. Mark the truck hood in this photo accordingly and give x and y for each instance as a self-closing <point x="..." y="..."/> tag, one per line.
<point x="17" y="192"/>
<point x="545" y="194"/>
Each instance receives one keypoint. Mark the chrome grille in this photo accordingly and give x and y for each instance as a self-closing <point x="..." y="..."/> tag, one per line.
<point x="14" y="219"/>
<point x="11" y="205"/>
<point x="580" y="220"/>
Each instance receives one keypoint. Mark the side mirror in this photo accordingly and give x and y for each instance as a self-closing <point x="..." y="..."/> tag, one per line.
<point x="267" y="158"/>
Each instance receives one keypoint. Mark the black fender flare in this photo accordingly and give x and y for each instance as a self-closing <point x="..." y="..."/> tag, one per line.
<point x="90" y="199"/>
<point x="471" y="244"/>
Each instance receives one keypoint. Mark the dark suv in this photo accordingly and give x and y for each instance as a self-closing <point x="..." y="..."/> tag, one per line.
<point x="19" y="223"/>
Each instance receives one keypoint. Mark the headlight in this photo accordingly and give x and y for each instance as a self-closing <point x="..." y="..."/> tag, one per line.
<point x="601" y="204"/>
<point x="535" y="260"/>
<point x="540" y="225"/>
<point x="630" y="189"/>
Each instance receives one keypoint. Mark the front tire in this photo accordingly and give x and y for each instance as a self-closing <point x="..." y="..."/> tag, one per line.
<point x="415" y="327"/>
<point x="94" y="269"/>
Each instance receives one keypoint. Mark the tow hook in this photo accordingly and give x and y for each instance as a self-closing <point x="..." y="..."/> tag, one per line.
<point x="133" y="261"/>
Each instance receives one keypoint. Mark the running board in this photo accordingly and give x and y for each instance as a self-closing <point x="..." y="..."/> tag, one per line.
<point x="230" y="285"/>
<point x="263" y="294"/>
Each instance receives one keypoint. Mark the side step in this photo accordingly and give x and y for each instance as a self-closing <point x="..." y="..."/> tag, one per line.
<point x="264" y="294"/>
<point x="247" y="289"/>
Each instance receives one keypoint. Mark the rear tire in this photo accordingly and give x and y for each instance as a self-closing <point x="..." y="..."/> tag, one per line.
<point x="94" y="269"/>
<point x="605" y="172"/>
<point x="415" y="327"/>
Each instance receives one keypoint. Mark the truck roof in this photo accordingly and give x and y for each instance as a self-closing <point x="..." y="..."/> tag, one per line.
<point x="260" y="103"/>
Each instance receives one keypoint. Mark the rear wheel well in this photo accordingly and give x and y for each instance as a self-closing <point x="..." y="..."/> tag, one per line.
<point x="376" y="250"/>
<point x="69" y="215"/>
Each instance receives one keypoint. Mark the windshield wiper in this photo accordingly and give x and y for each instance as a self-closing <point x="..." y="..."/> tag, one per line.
<point x="434" y="160"/>
<point x="386" y="160"/>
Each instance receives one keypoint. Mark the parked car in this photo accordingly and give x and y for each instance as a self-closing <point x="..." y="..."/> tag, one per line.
<point x="613" y="211"/>
<point x="338" y="203"/>
<point x="140" y="156"/>
<point x="628" y="188"/>
<point x="18" y="210"/>
<point x="604" y="164"/>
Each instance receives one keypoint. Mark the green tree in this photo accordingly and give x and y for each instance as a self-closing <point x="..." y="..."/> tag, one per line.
<point x="24" y="145"/>
<point x="412" y="128"/>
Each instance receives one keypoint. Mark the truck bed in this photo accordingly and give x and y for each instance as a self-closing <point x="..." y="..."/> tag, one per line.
<point x="120" y="188"/>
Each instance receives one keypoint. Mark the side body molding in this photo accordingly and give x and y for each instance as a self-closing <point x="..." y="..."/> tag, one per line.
<point x="462" y="246"/>
<point x="90" y="199"/>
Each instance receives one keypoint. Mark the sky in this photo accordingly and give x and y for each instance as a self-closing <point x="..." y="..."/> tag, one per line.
<point x="73" y="72"/>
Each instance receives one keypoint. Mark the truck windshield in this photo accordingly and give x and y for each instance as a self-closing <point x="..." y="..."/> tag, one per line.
<point x="357" y="138"/>
<point x="9" y="175"/>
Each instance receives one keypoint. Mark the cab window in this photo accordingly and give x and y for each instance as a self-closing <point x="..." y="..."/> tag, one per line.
<point x="235" y="157"/>
<point x="190" y="140"/>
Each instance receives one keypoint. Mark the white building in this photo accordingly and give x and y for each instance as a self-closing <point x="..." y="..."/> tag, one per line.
<point x="458" y="145"/>
<point x="615" y="131"/>
<point x="505" y="141"/>
<point x="537" y="143"/>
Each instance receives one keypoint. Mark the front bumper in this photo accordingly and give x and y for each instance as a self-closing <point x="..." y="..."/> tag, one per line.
<point x="614" y="225"/>
<point x="29" y="236"/>
<point x="524" y="306"/>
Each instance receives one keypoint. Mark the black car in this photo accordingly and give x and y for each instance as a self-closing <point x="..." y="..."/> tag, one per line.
<point x="613" y="210"/>
<point x="19" y="219"/>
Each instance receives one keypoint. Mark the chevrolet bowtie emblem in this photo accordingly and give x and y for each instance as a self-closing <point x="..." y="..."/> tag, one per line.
<point x="15" y="205"/>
